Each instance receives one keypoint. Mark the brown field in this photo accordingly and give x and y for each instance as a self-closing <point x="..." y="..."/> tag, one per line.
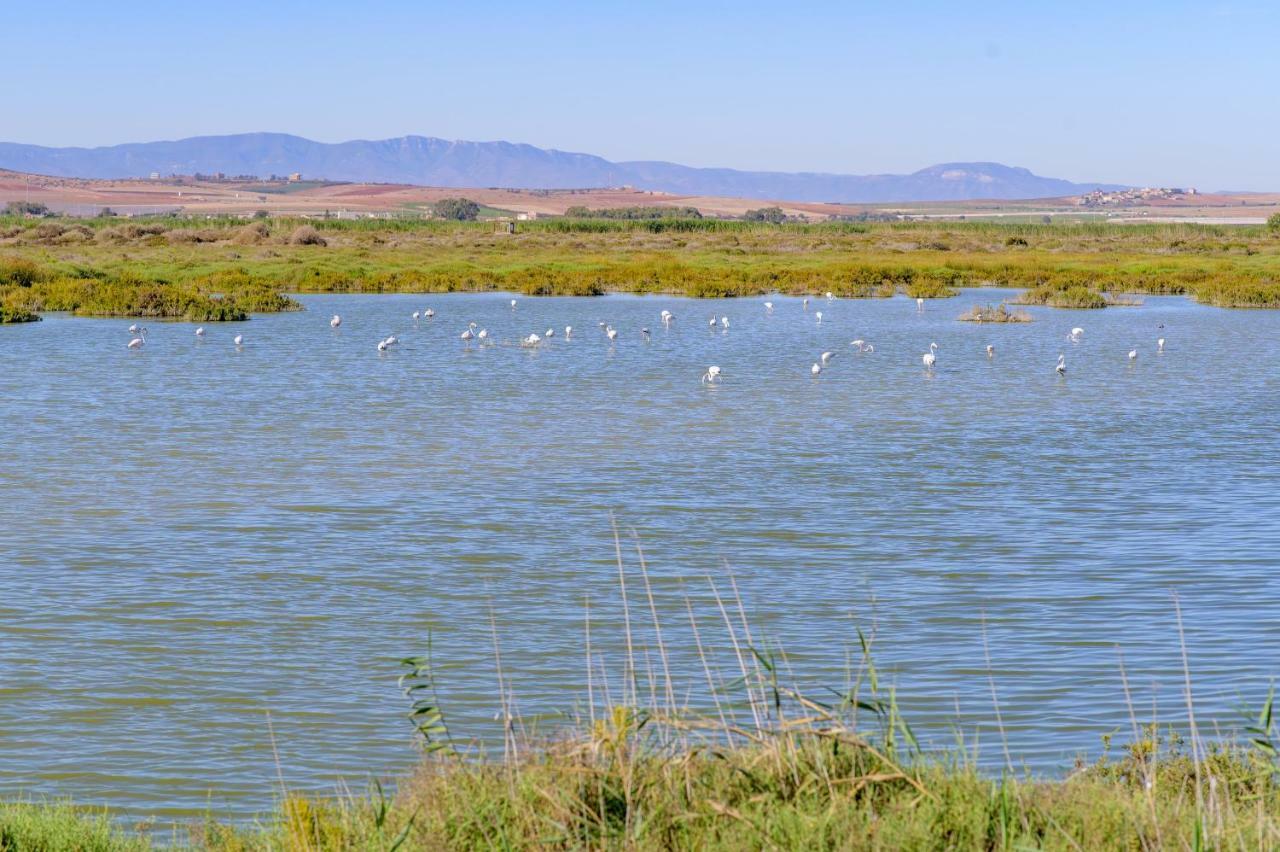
<point x="85" y="197"/>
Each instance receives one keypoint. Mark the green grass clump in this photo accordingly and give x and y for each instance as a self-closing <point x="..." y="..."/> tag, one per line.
<point x="1063" y="294"/>
<point x="127" y="297"/>
<point x="28" y="827"/>
<point x="16" y="313"/>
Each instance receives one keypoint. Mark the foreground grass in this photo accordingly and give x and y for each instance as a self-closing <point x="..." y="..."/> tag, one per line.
<point x="823" y="787"/>
<point x="225" y="269"/>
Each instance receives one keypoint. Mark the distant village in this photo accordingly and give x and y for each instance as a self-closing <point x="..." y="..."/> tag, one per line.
<point x="1124" y="197"/>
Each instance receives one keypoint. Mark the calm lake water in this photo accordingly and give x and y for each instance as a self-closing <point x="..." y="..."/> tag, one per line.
<point x="202" y="546"/>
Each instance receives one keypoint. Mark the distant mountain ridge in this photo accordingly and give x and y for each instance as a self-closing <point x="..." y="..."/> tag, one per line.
<point x="428" y="161"/>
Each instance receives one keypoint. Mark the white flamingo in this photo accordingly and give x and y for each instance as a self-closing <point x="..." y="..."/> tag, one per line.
<point x="611" y="333"/>
<point x="1133" y="354"/>
<point x="724" y="322"/>
<point x="513" y="304"/>
<point x="991" y="351"/>
<point x="135" y="328"/>
<point x="200" y="331"/>
<point x="483" y="334"/>
<point x="568" y="332"/>
<point x="919" y="305"/>
<point x="831" y="297"/>
<point x="238" y="340"/>
<point x="768" y="307"/>
<point x="818" y="315"/>
<point x="468" y="334"/>
<point x="1061" y="369"/>
<point x="531" y="340"/>
<point x="806" y="304"/>
<point x="666" y="317"/>
<point x="644" y="332"/>
<point x="711" y="323"/>
<point x="383" y="346"/>
<point x="826" y="357"/>
<point x="931" y="357"/>
<point x="551" y="332"/>
<point x="815" y="370"/>
<point x="428" y="313"/>
<point x="137" y="343"/>
<point x="711" y="375"/>
<point x="1160" y="345"/>
<point x="335" y="322"/>
<point x="1076" y="334"/>
<point x="416" y="315"/>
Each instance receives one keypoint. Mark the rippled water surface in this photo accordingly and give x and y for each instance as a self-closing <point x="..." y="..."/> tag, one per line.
<point x="202" y="545"/>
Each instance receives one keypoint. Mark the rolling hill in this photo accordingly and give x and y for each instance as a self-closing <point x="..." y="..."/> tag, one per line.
<point x="429" y="161"/>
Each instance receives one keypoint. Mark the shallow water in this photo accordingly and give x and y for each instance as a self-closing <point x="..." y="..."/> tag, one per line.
<point x="206" y="548"/>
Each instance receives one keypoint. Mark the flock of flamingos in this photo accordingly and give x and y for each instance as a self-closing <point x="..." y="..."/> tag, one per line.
<point x="713" y="373"/>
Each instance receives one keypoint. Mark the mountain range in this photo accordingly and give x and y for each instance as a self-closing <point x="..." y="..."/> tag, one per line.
<point x="428" y="161"/>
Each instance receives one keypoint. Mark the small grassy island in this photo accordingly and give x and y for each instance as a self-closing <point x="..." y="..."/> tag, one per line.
<point x="994" y="313"/>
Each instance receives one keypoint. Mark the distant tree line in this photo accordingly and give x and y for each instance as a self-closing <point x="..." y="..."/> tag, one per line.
<point x="457" y="209"/>
<point x="26" y="208"/>
<point x="633" y="213"/>
<point x="772" y="215"/>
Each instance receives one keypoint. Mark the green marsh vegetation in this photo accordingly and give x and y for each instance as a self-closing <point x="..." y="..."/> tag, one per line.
<point x="761" y="764"/>
<point x="1061" y="265"/>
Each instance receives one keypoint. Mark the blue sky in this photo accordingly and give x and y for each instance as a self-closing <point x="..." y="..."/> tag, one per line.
<point x="1147" y="93"/>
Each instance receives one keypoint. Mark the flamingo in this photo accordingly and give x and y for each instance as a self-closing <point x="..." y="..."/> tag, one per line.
<point x="531" y="340"/>
<point x="806" y="304"/>
<point x="416" y="315"/>
<point x="991" y="351"/>
<point x="513" y="304"/>
<point x="135" y="328"/>
<point x="831" y="297"/>
<point x="919" y="304"/>
<point x="335" y="322"/>
<point x="568" y="332"/>
<point x="645" y="333"/>
<point x="815" y="370"/>
<point x="931" y="357"/>
<point x="137" y="343"/>
<point x="468" y="334"/>
<point x="551" y="332"/>
<point x="1076" y="334"/>
<point x="858" y="343"/>
<point x="818" y="315"/>
<point x="238" y="340"/>
<point x="724" y="322"/>
<point x="383" y="346"/>
<point x="666" y="317"/>
<point x="200" y="331"/>
<point x="428" y="313"/>
<point x="768" y="307"/>
<point x="483" y="334"/>
<point x="1062" y="365"/>
<point x="1160" y="345"/>
<point x="611" y="333"/>
<point x="1133" y="354"/>
<point x="711" y="375"/>
<point x="711" y="323"/>
<point x="826" y="357"/>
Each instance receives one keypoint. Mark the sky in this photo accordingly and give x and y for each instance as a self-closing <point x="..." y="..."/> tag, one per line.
<point x="1160" y="94"/>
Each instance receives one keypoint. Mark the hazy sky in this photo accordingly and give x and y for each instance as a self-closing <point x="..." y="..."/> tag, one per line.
<point x="1167" y="93"/>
